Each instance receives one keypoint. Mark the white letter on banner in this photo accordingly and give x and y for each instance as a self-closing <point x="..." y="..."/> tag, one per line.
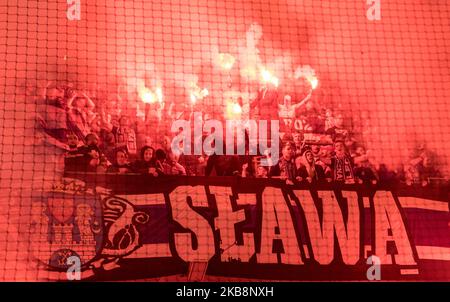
<point x="190" y="219"/>
<point x="225" y="223"/>
<point x="388" y="217"/>
<point x="322" y="232"/>
<point x="276" y="215"/>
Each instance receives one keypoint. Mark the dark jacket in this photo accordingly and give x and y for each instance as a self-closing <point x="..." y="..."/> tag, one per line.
<point x="191" y="164"/>
<point x="287" y="166"/>
<point x="247" y="159"/>
<point x="342" y="169"/>
<point x="141" y="166"/>
<point x="75" y="160"/>
<point x="116" y="168"/>
<point x="224" y="165"/>
<point x="318" y="177"/>
<point x="366" y="174"/>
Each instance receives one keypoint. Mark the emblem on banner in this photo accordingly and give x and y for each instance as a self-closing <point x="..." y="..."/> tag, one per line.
<point x="121" y="221"/>
<point x="66" y="223"/>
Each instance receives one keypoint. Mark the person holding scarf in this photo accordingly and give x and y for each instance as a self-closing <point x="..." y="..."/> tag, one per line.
<point x="342" y="164"/>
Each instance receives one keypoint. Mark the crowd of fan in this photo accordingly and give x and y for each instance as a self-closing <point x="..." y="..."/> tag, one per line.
<point x="95" y="143"/>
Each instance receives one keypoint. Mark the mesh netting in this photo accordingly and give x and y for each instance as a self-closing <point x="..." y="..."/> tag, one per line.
<point x="360" y="90"/>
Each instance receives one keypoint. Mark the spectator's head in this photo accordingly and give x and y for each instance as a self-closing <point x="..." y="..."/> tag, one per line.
<point x="326" y="152"/>
<point x="349" y="143"/>
<point x="309" y="157"/>
<point x="428" y="161"/>
<point x="147" y="153"/>
<point x="121" y="157"/>
<point x="261" y="172"/>
<point x="91" y="139"/>
<point x="286" y="152"/>
<point x="148" y="141"/>
<point x="298" y="138"/>
<point x="124" y="121"/>
<point x="339" y="120"/>
<point x="287" y="100"/>
<point x="109" y="138"/>
<point x="79" y="102"/>
<point x="315" y="149"/>
<point x="160" y="155"/>
<point x="54" y="93"/>
<point x="103" y="164"/>
<point x="166" y="142"/>
<point x="360" y="150"/>
<point x="421" y="147"/>
<point x="339" y="146"/>
<point x="72" y="140"/>
<point x="95" y="125"/>
<point x="115" y="121"/>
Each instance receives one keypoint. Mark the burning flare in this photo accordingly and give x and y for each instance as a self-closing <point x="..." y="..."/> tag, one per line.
<point x="307" y="73"/>
<point x="150" y="97"/>
<point x="225" y="61"/>
<point x="233" y="110"/>
<point x="268" y="77"/>
<point x="196" y="93"/>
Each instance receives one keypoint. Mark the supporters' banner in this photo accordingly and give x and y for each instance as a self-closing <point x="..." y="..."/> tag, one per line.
<point x="127" y="227"/>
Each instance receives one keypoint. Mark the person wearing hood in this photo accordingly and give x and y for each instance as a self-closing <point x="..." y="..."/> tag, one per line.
<point x="310" y="171"/>
<point x="121" y="164"/>
<point x="147" y="163"/>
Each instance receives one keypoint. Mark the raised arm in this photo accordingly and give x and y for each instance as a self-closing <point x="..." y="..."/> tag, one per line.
<point x="90" y="103"/>
<point x="104" y="119"/>
<point x="302" y="102"/>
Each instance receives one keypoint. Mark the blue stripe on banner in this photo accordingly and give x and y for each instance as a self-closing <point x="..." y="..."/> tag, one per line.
<point x="429" y="228"/>
<point x="157" y="229"/>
